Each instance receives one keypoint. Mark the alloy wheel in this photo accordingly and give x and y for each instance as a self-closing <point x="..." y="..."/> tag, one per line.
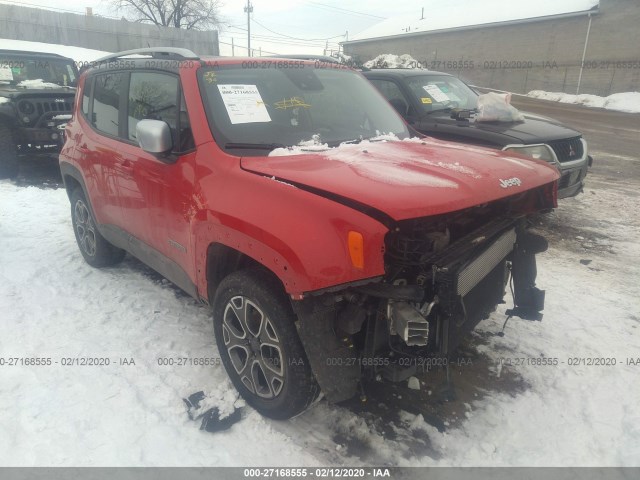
<point x="85" y="228"/>
<point x="254" y="347"/>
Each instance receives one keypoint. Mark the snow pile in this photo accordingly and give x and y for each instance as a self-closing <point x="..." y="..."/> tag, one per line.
<point x="79" y="54"/>
<point x="315" y="145"/>
<point x="469" y="13"/>
<point x="4" y="100"/>
<point x="37" y="83"/>
<point x="389" y="60"/>
<point x="621" y="102"/>
<point x="343" y="57"/>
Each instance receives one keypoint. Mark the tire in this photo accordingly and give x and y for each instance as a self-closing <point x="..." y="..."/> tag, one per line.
<point x="261" y="351"/>
<point x="8" y="153"/>
<point x="95" y="249"/>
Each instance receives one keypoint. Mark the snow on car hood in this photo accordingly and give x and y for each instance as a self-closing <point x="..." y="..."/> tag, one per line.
<point x="534" y="129"/>
<point x="38" y="83"/>
<point x="406" y="179"/>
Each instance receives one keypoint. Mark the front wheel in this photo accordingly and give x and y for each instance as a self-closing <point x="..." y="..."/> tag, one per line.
<point x="259" y="345"/>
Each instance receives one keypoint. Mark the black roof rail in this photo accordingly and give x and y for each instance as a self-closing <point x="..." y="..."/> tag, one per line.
<point x="155" y="52"/>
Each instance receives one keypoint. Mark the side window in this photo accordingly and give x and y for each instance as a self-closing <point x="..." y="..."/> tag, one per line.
<point x="153" y="96"/>
<point x="393" y="94"/>
<point x="86" y="96"/>
<point x="106" y="102"/>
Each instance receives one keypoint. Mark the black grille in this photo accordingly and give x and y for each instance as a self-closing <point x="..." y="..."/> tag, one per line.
<point x="44" y="107"/>
<point x="567" y="150"/>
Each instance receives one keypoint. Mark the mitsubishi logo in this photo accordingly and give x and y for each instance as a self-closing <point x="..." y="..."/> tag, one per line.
<point x="572" y="152"/>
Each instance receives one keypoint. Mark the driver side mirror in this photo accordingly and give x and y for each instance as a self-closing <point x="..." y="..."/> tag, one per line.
<point x="154" y="136"/>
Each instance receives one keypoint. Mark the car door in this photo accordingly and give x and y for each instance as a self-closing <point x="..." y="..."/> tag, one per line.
<point x="97" y="151"/>
<point x="155" y="190"/>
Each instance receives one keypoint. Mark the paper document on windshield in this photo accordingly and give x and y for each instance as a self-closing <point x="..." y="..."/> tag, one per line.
<point x="435" y="93"/>
<point x="5" y="73"/>
<point x="244" y="103"/>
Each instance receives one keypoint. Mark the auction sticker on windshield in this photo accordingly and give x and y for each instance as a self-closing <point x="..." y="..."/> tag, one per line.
<point x="435" y="93"/>
<point x="5" y="73"/>
<point x="244" y="104"/>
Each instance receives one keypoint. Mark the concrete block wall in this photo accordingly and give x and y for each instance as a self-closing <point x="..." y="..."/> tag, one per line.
<point x="554" y="47"/>
<point x="37" y="25"/>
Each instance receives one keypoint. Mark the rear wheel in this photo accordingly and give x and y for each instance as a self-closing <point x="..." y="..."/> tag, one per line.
<point x="95" y="249"/>
<point x="8" y="153"/>
<point x="259" y="345"/>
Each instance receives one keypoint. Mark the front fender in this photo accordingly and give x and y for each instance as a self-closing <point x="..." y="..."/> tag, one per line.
<point x="300" y="236"/>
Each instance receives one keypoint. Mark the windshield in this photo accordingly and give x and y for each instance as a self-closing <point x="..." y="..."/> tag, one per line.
<point x="262" y="109"/>
<point x="17" y="70"/>
<point x="442" y="92"/>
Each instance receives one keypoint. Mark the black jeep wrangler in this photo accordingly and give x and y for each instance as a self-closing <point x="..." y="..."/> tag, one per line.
<point x="36" y="100"/>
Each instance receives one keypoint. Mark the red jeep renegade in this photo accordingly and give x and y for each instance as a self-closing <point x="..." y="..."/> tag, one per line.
<point x="290" y="197"/>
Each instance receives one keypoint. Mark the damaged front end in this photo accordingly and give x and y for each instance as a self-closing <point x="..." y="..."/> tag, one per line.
<point x="443" y="276"/>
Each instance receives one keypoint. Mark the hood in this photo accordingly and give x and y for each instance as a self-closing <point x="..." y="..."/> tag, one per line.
<point x="407" y="179"/>
<point x="7" y="90"/>
<point x="534" y="129"/>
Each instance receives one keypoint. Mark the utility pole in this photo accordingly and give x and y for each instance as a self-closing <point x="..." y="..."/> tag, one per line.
<point x="249" y="9"/>
<point x="584" y="54"/>
<point x="233" y="48"/>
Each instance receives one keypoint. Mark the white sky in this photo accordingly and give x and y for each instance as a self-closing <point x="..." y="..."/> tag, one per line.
<point x="302" y="19"/>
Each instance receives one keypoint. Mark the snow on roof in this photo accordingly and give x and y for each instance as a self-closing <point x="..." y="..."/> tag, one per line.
<point x="78" y="54"/>
<point x="441" y="15"/>
<point x="389" y="60"/>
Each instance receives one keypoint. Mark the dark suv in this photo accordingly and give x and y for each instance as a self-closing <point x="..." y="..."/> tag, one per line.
<point x="331" y="254"/>
<point x="36" y="100"/>
<point x="441" y="105"/>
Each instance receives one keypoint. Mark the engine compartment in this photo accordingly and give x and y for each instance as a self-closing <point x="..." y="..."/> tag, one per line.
<point x="443" y="276"/>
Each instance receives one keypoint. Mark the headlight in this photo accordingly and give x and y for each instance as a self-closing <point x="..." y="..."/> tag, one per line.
<point x="541" y="151"/>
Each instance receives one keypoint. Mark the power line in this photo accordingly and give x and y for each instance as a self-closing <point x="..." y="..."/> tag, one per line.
<point x="353" y="12"/>
<point x="287" y="41"/>
<point x="241" y="46"/>
<point x="296" y="38"/>
<point x="306" y="45"/>
<point x="291" y="40"/>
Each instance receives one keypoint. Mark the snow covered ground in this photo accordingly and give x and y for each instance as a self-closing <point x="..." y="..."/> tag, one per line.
<point x="621" y="102"/>
<point x="53" y="305"/>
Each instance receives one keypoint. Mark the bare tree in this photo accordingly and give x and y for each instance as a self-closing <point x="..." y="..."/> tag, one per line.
<point x="187" y="14"/>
